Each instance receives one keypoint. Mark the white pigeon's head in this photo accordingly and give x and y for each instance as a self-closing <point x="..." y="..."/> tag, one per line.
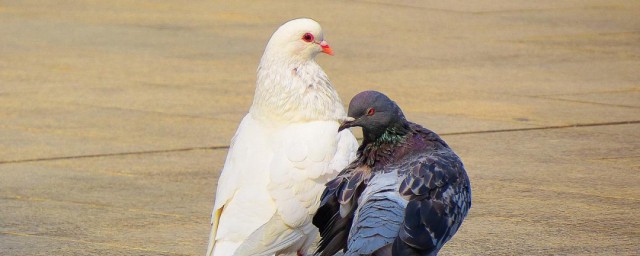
<point x="299" y="39"/>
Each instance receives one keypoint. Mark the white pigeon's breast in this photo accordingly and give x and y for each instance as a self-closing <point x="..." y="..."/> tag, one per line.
<point x="301" y="168"/>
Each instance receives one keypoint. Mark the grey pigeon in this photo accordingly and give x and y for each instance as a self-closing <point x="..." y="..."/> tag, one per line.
<point x="407" y="192"/>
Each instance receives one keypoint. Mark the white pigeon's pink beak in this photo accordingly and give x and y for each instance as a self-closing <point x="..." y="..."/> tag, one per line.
<point x="325" y="48"/>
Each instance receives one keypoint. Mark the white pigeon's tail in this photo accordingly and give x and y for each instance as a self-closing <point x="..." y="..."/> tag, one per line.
<point x="219" y="248"/>
<point x="215" y="218"/>
<point x="222" y="248"/>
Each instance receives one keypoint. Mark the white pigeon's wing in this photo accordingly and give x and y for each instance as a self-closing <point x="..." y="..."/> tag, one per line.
<point x="309" y="154"/>
<point x="239" y="185"/>
<point x="274" y="237"/>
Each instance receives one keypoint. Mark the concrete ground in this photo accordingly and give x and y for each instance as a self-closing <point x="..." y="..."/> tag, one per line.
<point x="115" y="115"/>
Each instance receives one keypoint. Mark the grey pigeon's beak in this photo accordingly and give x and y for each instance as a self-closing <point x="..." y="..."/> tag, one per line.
<point x="348" y="122"/>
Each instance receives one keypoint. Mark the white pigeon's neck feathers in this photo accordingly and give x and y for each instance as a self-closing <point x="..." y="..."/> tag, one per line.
<point x="294" y="91"/>
<point x="291" y="86"/>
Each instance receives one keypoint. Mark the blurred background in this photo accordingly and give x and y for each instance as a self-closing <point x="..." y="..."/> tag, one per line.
<point x="115" y="116"/>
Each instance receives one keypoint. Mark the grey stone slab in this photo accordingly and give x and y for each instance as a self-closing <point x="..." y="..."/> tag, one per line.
<point x="446" y="124"/>
<point x="531" y="80"/>
<point x="535" y="192"/>
<point x="558" y="191"/>
<point x="67" y="224"/>
<point x="37" y="245"/>
<point x="503" y="110"/>
<point x="151" y="203"/>
<point x="553" y="157"/>
<point x="495" y="6"/>
<point x="42" y="129"/>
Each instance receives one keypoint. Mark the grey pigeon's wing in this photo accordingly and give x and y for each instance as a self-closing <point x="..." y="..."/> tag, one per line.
<point x="333" y="227"/>
<point x="337" y="207"/>
<point x="439" y="197"/>
<point x="378" y="217"/>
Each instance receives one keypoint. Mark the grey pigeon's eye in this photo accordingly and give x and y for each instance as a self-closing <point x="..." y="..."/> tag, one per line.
<point x="371" y="111"/>
<point x="308" y="37"/>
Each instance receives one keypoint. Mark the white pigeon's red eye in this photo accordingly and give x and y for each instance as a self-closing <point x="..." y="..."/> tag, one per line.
<point x="371" y="111"/>
<point x="308" y="37"/>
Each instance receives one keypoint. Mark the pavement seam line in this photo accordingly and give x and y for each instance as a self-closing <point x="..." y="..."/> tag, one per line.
<point x="585" y="102"/>
<point x="113" y="154"/>
<point x="227" y="146"/>
<point x="554" y="127"/>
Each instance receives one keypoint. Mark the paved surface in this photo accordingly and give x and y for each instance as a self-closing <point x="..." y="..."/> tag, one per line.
<point x="114" y="115"/>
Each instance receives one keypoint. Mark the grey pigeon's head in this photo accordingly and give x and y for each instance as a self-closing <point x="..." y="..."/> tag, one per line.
<point x="375" y="113"/>
<point x="299" y="39"/>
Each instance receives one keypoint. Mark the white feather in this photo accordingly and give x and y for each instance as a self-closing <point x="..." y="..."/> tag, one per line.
<point x="282" y="154"/>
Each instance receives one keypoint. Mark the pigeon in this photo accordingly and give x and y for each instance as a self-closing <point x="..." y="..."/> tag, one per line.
<point x="407" y="192"/>
<point x="283" y="152"/>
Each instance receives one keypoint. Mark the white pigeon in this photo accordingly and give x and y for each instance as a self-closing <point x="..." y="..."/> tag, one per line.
<point x="284" y="151"/>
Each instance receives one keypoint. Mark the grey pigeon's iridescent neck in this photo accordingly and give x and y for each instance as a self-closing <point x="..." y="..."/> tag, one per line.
<point x="392" y="135"/>
<point x="376" y="149"/>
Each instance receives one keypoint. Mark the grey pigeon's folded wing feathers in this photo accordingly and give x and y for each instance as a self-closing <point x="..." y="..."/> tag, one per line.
<point x="333" y="227"/>
<point x="338" y="204"/>
<point x="379" y="216"/>
<point x="439" y="199"/>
